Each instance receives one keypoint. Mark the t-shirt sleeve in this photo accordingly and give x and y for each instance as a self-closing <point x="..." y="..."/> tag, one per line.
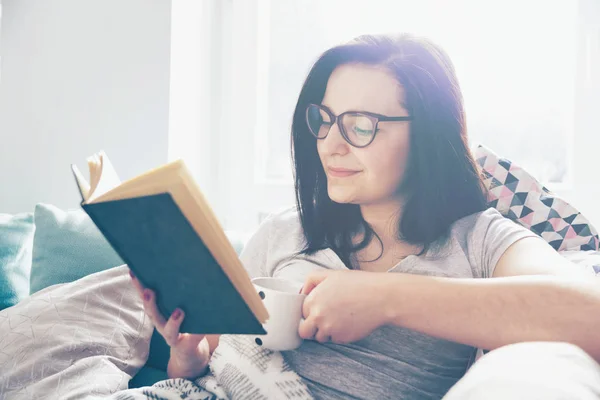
<point x="491" y="236"/>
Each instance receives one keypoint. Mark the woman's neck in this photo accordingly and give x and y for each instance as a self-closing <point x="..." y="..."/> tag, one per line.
<point x="384" y="219"/>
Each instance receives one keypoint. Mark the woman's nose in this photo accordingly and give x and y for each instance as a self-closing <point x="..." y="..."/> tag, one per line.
<point x="335" y="143"/>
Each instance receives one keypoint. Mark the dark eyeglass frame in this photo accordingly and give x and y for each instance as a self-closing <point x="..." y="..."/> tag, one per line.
<point x="374" y="118"/>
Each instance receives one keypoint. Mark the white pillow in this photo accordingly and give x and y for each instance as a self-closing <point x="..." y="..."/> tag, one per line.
<point x="73" y="340"/>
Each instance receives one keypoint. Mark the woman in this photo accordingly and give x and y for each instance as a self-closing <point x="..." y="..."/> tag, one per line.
<point x="385" y="182"/>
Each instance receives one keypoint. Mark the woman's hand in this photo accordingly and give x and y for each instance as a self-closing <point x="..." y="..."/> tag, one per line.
<point x="343" y="306"/>
<point x="190" y="353"/>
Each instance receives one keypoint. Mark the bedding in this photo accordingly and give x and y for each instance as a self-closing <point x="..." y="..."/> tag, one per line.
<point x="74" y="340"/>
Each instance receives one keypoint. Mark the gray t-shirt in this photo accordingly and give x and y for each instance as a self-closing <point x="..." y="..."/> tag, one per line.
<point x="392" y="362"/>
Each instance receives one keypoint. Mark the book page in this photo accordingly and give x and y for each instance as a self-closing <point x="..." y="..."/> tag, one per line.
<point x="82" y="184"/>
<point x="157" y="180"/>
<point x="103" y="176"/>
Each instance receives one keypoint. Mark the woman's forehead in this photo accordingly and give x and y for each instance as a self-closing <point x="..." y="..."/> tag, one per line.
<point x="363" y="87"/>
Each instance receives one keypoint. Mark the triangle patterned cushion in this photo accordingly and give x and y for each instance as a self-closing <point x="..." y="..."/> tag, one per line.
<point x="520" y="197"/>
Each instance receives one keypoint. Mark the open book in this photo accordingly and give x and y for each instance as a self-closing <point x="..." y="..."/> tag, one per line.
<point x="163" y="228"/>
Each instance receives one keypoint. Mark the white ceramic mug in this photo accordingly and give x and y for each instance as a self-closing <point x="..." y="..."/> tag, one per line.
<point x="283" y="301"/>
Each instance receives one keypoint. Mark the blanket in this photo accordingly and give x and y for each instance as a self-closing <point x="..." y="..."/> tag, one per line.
<point x="239" y="369"/>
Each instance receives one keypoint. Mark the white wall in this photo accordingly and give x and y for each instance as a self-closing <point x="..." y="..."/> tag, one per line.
<point x="78" y="76"/>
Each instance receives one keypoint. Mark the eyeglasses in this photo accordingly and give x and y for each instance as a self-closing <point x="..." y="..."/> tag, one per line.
<point x="358" y="128"/>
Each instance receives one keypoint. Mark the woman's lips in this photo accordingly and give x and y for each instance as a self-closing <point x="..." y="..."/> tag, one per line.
<point x="341" y="172"/>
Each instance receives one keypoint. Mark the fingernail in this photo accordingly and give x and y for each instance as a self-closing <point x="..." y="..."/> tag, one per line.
<point x="147" y="295"/>
<point x="177" y="313"/>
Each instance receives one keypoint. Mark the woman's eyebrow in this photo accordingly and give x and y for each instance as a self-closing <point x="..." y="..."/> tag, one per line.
<point x="326" y="106"/>
<point x="367" y="110"/>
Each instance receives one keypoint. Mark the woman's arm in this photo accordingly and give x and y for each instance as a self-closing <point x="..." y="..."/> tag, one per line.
<point x="535" y="295"/>
<point x="545" y="298"/>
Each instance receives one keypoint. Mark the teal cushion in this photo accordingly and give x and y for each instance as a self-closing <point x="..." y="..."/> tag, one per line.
<point x="16" y="241"/>
<point x="67" y="246"/>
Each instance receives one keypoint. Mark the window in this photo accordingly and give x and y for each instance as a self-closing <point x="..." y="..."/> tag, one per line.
<point x="516" y="69"/>
<point x="528" y="72"/>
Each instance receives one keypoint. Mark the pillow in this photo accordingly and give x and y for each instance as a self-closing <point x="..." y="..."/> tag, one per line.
<point x="67" y="246"/>
<point x="16" y="241"/>
<point x="74" y="340"/>
<point x="519" y="196"/>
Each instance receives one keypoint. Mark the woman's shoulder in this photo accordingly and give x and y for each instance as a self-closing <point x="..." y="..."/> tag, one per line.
<point x="278" y="237"/>
<point x="485" y="227"/>
<point x="484" y="236"/>
<point x="479" y="222"/>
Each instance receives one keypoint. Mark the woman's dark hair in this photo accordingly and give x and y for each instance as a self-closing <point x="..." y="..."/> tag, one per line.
<point x="442" y="182"/>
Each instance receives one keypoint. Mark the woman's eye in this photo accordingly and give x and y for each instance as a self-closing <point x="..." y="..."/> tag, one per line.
<point x="363" y="132"/>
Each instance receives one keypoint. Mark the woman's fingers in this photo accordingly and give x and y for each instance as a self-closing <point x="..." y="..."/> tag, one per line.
<point x="322" y="337"/>
<point x="171" y="329"/>
<point x="137" y="284"/>
<point x="149" y="300"/>
<point x="152" y="310"/>
<point x="307" y="329"/>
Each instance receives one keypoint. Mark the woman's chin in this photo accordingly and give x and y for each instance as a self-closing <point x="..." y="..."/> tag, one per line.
<point x="342" y="196"/>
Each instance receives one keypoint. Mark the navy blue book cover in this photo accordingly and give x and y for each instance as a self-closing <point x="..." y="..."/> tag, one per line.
<point x="154" y="238"/>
